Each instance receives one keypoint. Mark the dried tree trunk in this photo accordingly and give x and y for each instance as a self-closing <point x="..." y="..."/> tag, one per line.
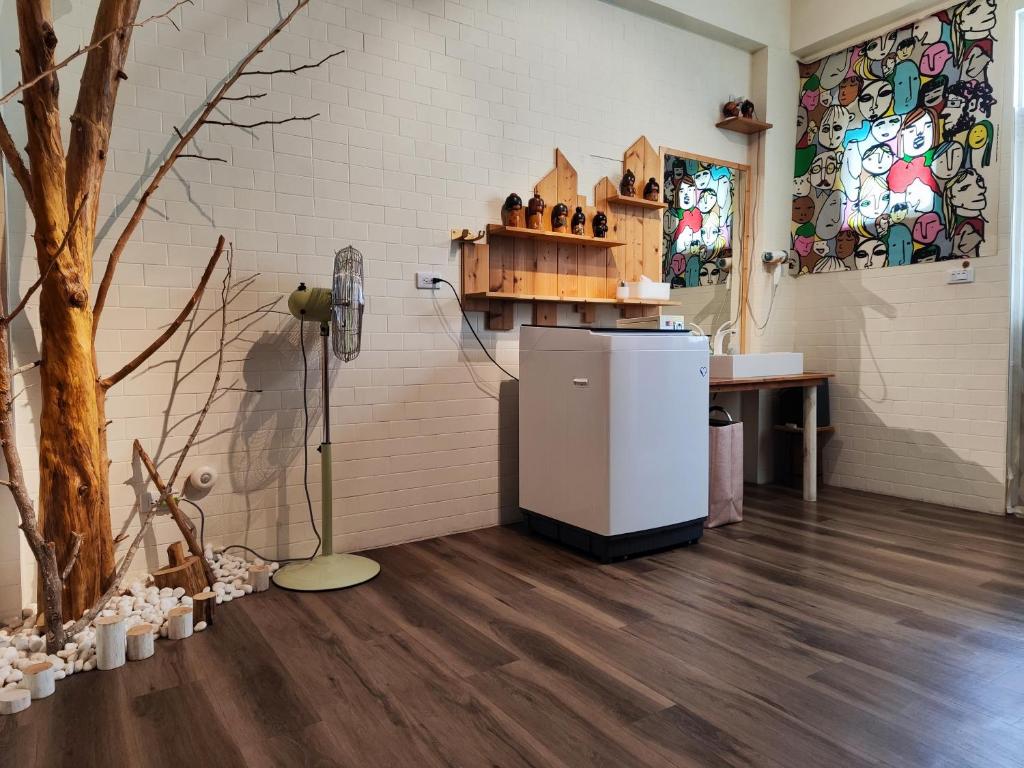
<point x="70" y="455"/>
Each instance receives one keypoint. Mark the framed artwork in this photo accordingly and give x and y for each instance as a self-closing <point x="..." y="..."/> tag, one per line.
<point x="700" y="220"/>
<point x="894" y="141"/>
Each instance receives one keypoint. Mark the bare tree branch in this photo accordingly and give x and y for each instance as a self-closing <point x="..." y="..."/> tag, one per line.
<point x="293" y="70"/>
<point x="170" y="330"/>
<point x="225" y="293"/>
<point x="282" y="121"/>
<point x="182" y="521"/>
<point x="92" y="46"/>
<point x="179" y="147"/>
<point x="26" y="368"/>
<point x="73" y="557"/>
<point x="49" y="267"/>
<point x="198" y="156"/>
<point x="43" y="551"/>
<point x="13" y="156"/>
<point x="244" y="98"/>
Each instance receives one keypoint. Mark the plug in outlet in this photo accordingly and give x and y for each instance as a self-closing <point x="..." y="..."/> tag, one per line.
<point x="425" y="280"/>
<point x="961" y="275"/>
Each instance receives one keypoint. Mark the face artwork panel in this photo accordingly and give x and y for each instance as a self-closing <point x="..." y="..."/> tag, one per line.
<point x="896" y="144"/>
<point x="698" y="223"/>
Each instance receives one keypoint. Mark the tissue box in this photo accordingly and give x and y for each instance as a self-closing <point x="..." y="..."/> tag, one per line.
<point x="648" y="289"/>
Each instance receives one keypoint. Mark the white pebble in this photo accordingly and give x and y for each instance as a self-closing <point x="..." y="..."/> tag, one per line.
<point x="186" y="600"/>
<point x="14" y="676"/>
<point x="200" y="626"/>
<point x="89" y="666"/>
<point x="178" y="591"/>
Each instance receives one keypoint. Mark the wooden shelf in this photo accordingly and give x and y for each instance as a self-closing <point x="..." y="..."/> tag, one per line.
<point x="502" y="296"/>
<point x="638" y="202"/>
<point x="499" y="230"/>
<point x="747" y="125"/>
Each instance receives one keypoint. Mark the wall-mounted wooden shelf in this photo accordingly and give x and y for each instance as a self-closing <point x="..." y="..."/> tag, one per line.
<point x="639" y="202"/>
<point x="562" y="238"/>
<point x="548" y="269"/>
<point x="503" y="296"/>
<point x="747" y="125"/>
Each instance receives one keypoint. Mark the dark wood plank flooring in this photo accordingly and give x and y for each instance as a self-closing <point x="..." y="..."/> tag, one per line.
<point x="860" y="631"/>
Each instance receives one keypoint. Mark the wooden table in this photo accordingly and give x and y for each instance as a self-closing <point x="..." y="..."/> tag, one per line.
<point x="809" y="382"/>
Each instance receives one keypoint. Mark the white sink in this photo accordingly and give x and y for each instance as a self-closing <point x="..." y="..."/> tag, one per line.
<point x="753" y="365"/>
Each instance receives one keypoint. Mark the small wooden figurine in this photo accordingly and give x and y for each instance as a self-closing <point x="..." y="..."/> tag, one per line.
<point x="731" y="108"/>
<point x="560" y="218"/>
<point x="652" y="190"/>
<point x="747" y="108"/>
<point x="579" y="222"/>
<point x="600" y="224"/>
<point x="535" y="211"/>
<point x="512" y="211"/>
<point x="627" y="188"/>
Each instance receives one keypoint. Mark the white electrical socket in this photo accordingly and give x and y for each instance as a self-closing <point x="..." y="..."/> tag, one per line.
<point x="960" y="275"/>
<point x="425" y="280"/>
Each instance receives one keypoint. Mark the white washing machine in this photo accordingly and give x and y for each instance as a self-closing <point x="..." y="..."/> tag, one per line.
<point x="613" y="437"/>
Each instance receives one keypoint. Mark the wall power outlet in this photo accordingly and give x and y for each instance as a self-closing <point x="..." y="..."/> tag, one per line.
<point x="960" y="275"/>
<point x="425" y="280"/>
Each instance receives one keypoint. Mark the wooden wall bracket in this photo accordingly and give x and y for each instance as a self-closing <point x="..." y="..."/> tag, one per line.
<point x="467" y="236"/>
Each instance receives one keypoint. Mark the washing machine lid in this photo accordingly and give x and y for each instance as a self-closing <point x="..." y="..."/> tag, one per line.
<point x="542" y="338"/>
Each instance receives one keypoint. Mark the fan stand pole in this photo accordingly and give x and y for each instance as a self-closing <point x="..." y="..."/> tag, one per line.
<point x="326" y="571"/>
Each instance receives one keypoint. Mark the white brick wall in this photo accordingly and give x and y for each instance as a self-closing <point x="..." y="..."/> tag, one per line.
<point x="436" y="112"/>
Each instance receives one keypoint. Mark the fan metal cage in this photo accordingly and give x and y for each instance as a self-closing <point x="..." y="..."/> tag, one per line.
<point x="348" y="301"/>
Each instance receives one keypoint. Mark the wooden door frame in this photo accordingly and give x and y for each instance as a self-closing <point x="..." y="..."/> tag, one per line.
<point x="745" y="231"/>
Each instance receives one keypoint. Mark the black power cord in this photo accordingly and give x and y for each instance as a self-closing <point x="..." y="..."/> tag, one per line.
<point x="458" y="301"/>
<point x="305" y="472"/>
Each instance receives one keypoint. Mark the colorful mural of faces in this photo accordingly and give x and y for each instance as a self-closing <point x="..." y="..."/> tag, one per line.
<point x="697" y="228"/>
<point x="894" y="137"/>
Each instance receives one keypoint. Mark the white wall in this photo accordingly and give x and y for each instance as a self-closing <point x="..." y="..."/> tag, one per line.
<point x="436" y="112"/>
<point x="920" y="394"/>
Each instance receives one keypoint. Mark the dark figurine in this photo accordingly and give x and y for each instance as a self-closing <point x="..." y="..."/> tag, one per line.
<point x="652" y="190"/>
<point x="512" y="211"/>
<point x="560" y="218"/>
<point x="627" y="187"/>
<point x="747" y="108"/>
<point x="600" y="224"/>
<point x="535" y="211"/>
<point x="579" y="222"/>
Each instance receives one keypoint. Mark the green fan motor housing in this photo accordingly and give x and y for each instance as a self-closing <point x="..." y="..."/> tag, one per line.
<point x="311" y="303"/>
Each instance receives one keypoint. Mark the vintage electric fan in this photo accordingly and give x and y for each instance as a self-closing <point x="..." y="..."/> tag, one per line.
<point x="339" y="310"/>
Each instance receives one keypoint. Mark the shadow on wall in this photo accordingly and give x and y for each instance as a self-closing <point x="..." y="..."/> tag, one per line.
<point x="887" y="440"/>
<point x="266" y="442"/>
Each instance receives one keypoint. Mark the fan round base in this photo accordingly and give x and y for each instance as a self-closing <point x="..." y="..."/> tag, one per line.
<point x="326" y="572"/>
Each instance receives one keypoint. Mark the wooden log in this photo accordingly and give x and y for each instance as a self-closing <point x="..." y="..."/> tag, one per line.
<point x="179" y="623"/>
<point x="259" y="577"/>
<point x="185" y="572"/>
<point x="203" y="604"/>
<point x="111" y="633"/>
<point x="39" y="680"/>
<point x="14" y="700"/>
<point x="140" y="642"/>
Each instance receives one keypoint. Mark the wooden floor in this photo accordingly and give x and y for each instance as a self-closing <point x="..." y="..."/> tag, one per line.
<point x="859" y="631"/>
